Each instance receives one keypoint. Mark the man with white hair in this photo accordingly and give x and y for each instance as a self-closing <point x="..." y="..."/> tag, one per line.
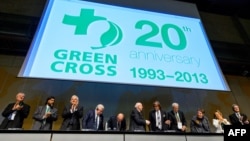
<point x="15" y="113"/>
<point x="176" y="119"/>
<point x="72" y="114"/>
<point x="93" y="120"/>
<point x="137" y="121"/>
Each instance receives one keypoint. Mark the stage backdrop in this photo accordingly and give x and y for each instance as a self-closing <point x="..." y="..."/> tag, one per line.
<point x="116" y="97"/>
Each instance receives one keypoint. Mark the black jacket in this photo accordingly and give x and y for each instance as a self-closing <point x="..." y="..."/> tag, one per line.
<point x="112" y="124"/>
<point x="137" y="122"/>
<point x="19" y="117"/>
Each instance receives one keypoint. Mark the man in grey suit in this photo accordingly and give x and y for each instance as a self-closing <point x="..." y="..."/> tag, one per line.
<point x="44" y="116"/>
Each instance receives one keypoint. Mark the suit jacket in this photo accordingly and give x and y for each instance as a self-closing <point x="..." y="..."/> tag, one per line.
<point x="71" y="121"/>
<point x="137" y="122"/>
<point x="152" y="119"/>
<point x="112" y="124"/>
<point x="234" y="120"/>
<point x="44" y="124"/>
<point x="172" y="118"/>
<point x="88" y="121"/>
<point x="19" y="117"/>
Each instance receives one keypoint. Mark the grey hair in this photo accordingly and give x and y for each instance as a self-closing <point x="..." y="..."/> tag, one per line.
<point x="100" y="106"/>
<point x="175" y="104"/>
<point x="137" y="104"/>
<point x="75" y="96"/>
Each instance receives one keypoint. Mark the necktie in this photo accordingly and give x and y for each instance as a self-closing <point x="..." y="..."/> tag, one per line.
<point x="177" y="117"/>
<point x="238" y="115"/>
<point x="158" y="119"/>
<point x="46" y="111"/>
<point x="118" y="126"/>
<point x="96" y="122"/>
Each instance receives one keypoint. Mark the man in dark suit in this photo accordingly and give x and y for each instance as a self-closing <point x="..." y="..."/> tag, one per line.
<point x="93" y="120"/>
<point x="15" y="113"/>
<point x="137" y="121"/>
<point x="176" y="119"/>
<point x="117" y="123"/>
<point x="44" y="116"/>
<point x="157" y="118"/>
<point x="238" y="118"/>
<point x="72" y="115"/>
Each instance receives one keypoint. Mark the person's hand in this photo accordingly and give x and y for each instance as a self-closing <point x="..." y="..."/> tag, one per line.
<point x="74" y="106"/>
<point x="225" y="121"/>
<point x="17" y="107"/>
<point x="197" y="121"/>
<point x="246" y="122"/>
<point x="168" y="122"/>
<point x="241" y="118"/>
<point x="47" y="115"/>
<point x="183" y="128"/>
<point x="147" y="122"/>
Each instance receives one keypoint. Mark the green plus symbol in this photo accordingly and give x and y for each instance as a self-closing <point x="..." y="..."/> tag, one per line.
<point x="83" y="21"/>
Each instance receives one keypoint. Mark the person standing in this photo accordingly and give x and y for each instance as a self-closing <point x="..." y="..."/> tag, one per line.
<point x="200" y="123"/>
<point x="157" y="118"/>
<point x="219" y="122"/>
<point x="44" y="116"/>
<point x="137" y="121"/>
<point x="72" y="114"/>
<point x="15" y="113"/>
<point x="238" y="118"/>
<point x="117" y="123"/>
<point x="176" y="119"/>
<point x="93" y="120"/>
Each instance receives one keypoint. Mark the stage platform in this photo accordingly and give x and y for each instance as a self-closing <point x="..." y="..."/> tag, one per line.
<point x="31" y="135"/>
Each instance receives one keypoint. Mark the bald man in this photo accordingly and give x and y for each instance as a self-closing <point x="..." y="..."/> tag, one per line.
<point x="137" y="121"/>
<point x="117" y="123"/>
<point x="15" y="113"/>
<point x="72" y="114"/>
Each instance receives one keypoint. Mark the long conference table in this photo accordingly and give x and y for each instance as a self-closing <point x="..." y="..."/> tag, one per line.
<point x="32" y="135"/>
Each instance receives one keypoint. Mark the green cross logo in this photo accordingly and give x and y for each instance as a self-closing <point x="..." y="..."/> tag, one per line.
<point x="109" y="38"/>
